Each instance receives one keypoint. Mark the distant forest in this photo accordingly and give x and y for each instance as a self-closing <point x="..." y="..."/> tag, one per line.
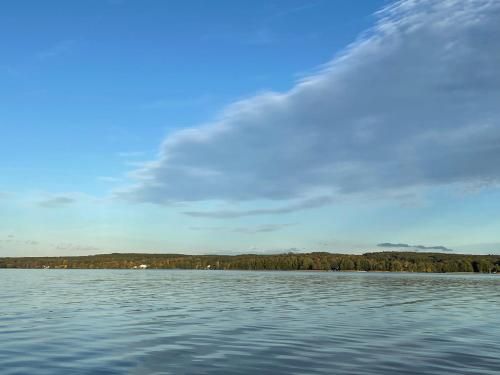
<point x="377" y="261"/>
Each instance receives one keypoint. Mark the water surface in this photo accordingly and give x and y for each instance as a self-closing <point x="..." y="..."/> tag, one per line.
<point x="228" y="322"/>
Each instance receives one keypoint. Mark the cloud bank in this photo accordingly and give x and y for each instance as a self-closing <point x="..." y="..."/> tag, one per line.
<point x="412" y="103"/>
<point x="414" y="247"/>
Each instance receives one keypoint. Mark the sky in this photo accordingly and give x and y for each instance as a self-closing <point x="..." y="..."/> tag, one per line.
<point x="228" y="127"/>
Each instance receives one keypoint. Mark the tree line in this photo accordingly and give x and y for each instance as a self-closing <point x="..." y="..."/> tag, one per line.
<point x="376" y="261"/>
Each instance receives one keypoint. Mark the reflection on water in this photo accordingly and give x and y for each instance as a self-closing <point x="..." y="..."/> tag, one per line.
<point x="225" y="322"/>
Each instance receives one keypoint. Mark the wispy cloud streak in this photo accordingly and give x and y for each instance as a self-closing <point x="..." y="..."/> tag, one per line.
<point x="55" y="202"/>
<point x="414" y="247"/>
<point x="224" y="214"/>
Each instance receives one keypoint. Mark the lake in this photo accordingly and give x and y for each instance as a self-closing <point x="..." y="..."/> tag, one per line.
<point x="230" y="322"/>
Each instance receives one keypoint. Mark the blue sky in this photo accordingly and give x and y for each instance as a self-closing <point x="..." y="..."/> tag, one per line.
<point x="262" y="126"/>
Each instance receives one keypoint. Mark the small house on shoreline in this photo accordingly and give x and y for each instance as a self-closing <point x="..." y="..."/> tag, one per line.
<point x="140" y="267"/>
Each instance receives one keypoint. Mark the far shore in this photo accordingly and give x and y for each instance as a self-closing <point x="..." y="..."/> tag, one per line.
<point x="387" y="261"/>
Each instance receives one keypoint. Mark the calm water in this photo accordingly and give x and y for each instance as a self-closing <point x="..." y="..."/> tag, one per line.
<point x="211" y="322"/>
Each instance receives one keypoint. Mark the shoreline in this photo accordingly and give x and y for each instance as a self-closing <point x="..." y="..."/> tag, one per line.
<point x="388" y="261"/>
<point x="252" y="270"/>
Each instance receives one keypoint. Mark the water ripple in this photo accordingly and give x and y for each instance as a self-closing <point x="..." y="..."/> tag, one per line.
<point x="211" y="322"/>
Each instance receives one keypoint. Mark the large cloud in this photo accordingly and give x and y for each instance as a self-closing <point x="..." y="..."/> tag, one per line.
<point x="414" y="102"/>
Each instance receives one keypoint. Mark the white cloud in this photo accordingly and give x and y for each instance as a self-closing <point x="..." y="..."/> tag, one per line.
<point x="413" y="103"/>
